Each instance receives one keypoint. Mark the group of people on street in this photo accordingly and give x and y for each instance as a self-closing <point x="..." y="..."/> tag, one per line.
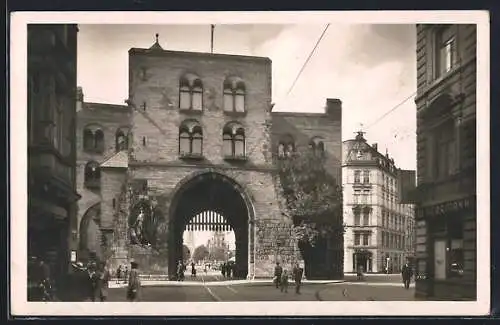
<point x="281" y="277"/>
<point x="227" y="269"/>
<point x="121" y="274"/>
<point x="98" y="276"/>
<point x="41" y="287"/>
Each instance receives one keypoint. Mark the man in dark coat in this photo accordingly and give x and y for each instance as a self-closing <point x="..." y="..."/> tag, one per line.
<point x="297" y="277"/>
<point x="406" y="273"/>
<point x="134" y="283"/>
<point x="278" y="271"/>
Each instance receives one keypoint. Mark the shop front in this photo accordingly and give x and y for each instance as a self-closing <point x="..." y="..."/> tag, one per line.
<point x="446" y="260"/>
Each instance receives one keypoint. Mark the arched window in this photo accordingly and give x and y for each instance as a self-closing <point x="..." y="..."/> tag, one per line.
<point x="197" y="95"/>
<point x="190" y="139"/>
<point x="121" y="141"/>
<point x="227" y="140"/>
<point x="99" y="140"/>
<point x="93" y="139"/>
<point x="191" y="93"/>
<point x="184" y="141"/>
<point x="233" y="137"/>
<point x="88" y="140"/>
<point x="234" y="95"/>
<point x="317" y="146"/>
<point x="197" y="140"/>
<point x="286" y="146"/>
<point x="92" y="175"/>
<point x="239" y="143"/>
<point x="184" y="94"/>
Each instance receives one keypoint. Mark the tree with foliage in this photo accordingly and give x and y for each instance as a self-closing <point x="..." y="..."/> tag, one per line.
<point x="313" y="198"/>
<point x="186" y="253"/>
<point x="200" y="253"/>
<point x="218" y="254"/>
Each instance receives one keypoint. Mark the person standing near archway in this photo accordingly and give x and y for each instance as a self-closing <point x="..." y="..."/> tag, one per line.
<point x="278" y="271"/>
<point x="134" y="283"/>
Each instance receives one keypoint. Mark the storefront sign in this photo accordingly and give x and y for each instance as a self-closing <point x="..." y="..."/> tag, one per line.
<point x="449" y="207"/>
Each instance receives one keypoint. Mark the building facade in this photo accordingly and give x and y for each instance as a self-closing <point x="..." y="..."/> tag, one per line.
<point x="319" y="134"/>
<point x="52" y="192"/>
<point x="379" y="233"/>
<point x="200" y="155"/>
<point x="446" y="161"/>
<point x="102" y="132"/>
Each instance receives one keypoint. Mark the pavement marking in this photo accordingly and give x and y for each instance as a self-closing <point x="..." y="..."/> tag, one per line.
<point x="210" y="292"/>
<point x="217" y="298"/>
<point x="231" y="289"/>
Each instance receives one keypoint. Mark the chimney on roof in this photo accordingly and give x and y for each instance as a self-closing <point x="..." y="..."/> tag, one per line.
<point x="334" y="108"/>
<point x="375" y="146"/>
<point x="79" y="99"/>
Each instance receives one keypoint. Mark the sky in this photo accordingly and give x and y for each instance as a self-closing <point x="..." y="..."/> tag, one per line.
<point x="370" y="68"/>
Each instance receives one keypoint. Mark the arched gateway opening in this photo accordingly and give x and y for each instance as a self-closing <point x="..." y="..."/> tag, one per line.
<point x="210" y="201"/>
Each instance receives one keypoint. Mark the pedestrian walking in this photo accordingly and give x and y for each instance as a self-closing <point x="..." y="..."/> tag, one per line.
<point x="125" y="275"/>
<point x="180" y="271"/>
<point x="297" y="273"/>
<point x="284" y="282"/>
<point x="118" y="274"/>
<point x="278" y="271"/>
<point x="102" y="281"/>
<point x="223" y="269"/>
<point x="406" y="273"/>
<point x="193" y="270"/>
<point x="134" y="283"/>
<point x="229" y="270"/>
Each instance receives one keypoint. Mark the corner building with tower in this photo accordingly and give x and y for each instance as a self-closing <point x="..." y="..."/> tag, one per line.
<point x="194" y="142"/>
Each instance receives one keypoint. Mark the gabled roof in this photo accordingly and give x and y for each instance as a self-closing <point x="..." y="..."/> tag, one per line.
<point x="118" y="160"/>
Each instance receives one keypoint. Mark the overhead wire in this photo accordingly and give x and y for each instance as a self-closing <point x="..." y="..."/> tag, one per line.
<point x="390" y="111"/>
<point x="308" y="59"/>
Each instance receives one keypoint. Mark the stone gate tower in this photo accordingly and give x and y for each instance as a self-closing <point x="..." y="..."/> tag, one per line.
<point x="194" y="116"/>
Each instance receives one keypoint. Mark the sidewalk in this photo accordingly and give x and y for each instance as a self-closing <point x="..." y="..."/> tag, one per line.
<point x="157" y="283"/>
<point x="367" y="291"/>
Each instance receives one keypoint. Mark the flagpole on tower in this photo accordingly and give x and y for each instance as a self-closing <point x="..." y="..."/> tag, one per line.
<point x="212" y="27"/>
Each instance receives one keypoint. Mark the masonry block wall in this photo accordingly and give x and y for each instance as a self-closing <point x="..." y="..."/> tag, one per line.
<point x="453" y="95"/>
<point x="154" y="96"/>
<point x="95" y="116"/>
<point x="303" y="127"/>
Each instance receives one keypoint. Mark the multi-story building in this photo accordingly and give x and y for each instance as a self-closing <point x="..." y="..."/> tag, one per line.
<point x="52" y="192"/>
<point x="380" y="230"/>
<point x="199" y="156"/>
<point x="102" y="132"/>
<point x="320" y="134"/>
<point x="446" y="161"/>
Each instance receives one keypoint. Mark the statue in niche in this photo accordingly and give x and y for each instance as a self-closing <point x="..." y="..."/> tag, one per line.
<point x="138" y="232"/>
